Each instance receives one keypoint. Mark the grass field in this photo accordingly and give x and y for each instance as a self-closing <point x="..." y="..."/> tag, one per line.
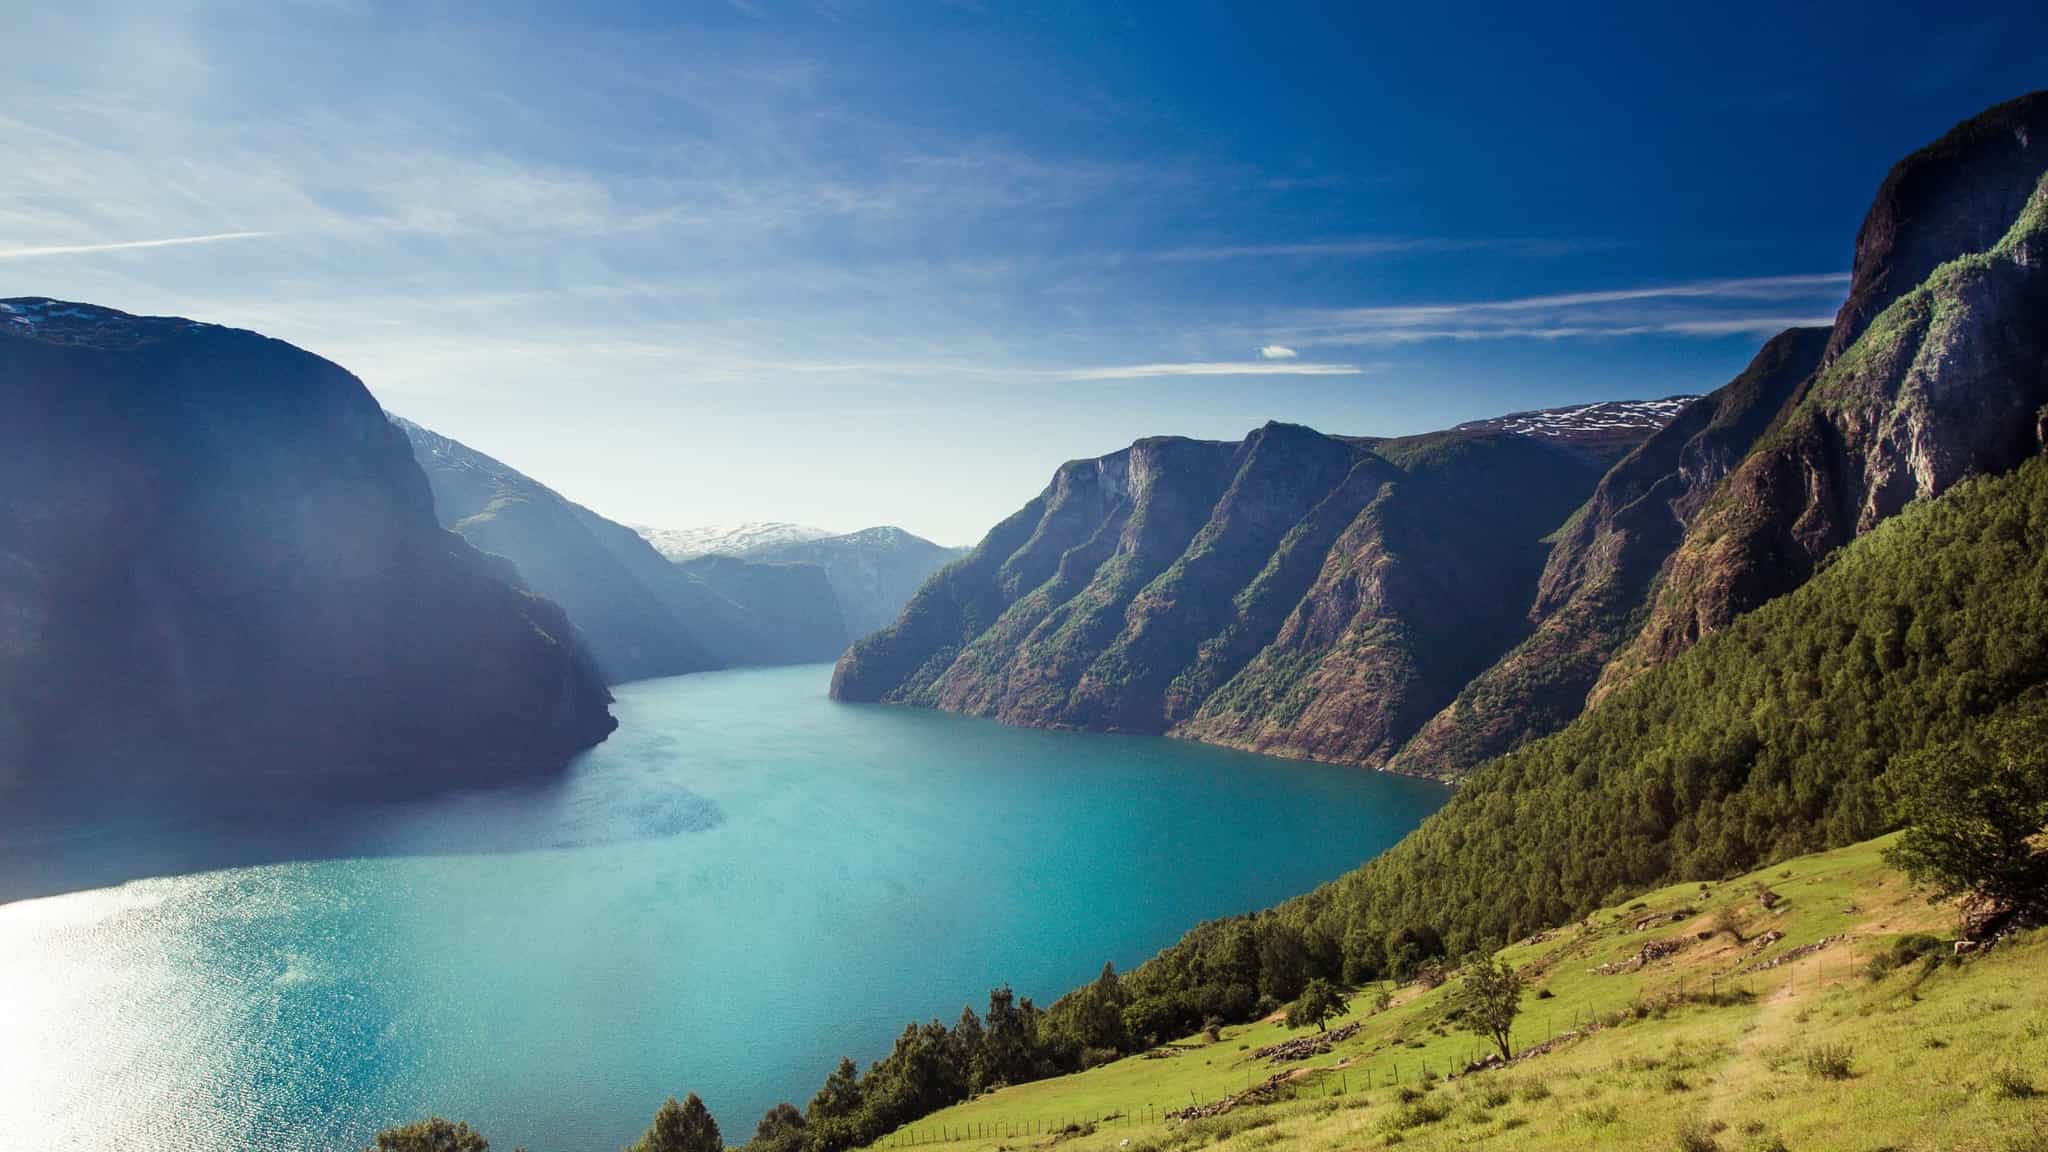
<point x="1705" y="1048"/>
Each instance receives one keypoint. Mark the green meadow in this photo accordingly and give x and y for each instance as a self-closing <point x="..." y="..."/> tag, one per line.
<point x="1771" y="1014"/>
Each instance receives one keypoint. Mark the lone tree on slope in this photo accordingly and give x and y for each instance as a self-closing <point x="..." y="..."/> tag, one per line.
<point x="1975" y="811"/>
<point x="1492" y="998"/>
<point x="1319" y="1003"/>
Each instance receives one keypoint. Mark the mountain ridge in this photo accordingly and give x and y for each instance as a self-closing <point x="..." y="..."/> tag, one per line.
<point x="222" y="569"/>
<point x="1194" y="587"/>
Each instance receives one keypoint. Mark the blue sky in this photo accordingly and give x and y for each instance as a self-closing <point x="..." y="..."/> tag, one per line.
<point x="847" y="263"/>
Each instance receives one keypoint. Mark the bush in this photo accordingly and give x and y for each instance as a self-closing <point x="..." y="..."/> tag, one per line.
<point x="2010" y="1083"/>
<point x="1830" y="1061"/>
<point x="1698" y="1136"/>
<point x="1904" y="950"/>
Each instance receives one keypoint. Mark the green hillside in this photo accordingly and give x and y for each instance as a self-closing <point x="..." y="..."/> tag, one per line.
<point x="1729" y="1042"/>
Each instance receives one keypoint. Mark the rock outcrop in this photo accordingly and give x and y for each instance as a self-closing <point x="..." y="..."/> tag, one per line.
<point x="220" y="569"/>
<point x="1937" y="369"/>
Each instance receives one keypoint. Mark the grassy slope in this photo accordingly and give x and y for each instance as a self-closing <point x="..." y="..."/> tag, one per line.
<point x="1925" y="1046"/>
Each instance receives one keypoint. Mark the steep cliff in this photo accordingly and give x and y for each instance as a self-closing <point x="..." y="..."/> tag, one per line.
<point x="1294" y="592"/>
<point x="1604" y="562"/>
<point x="1937" y="370"/>
<point x="219" y="568"/>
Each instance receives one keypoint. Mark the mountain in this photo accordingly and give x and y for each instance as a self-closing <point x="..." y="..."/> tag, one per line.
<point x="634" y="628"/>
<point x="793" y="615"/>
<point x="1293" y="593"/>
<point x="1936" y="370"/>
<point x="727" y="539"/>
<point x="1372" y="602"/>
<point x="640" y="614"/>
<point x="1603" y="563"/>
<point x="219" y="567"/>
<point x="873" y="572"/>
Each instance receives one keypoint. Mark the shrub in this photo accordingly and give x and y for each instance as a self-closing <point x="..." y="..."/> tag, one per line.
<point x="1698" y="1136"/>
<point x="1830" y="1061"/>
<point x="1597" y="1115"/>
<point x="1904" y="950"/>
<point x="2010" y="1083"/>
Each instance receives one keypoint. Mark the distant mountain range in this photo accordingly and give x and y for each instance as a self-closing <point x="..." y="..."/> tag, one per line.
<point x="726" y="539"/>
<point x="873" y="572"/>
<point x="757" y="594"/>
<point x="1427" y="603"/>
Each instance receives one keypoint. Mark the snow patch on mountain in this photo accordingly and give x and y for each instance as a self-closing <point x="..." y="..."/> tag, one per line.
<point x="1582" y="420"/>
<point x="727" y="539"/>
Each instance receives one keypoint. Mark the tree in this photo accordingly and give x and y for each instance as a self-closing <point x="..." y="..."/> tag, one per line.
<point x="839" y="1095"/>
<point x="1492" y="998"/>
<point x="1975" y="810"/>
<point x="1319" y="1002"/>
<point x="781" y="1130"/>
<point x="684" y="1127"/>
<point x="431" y="1135"/>
<point x="1283" y="962"/>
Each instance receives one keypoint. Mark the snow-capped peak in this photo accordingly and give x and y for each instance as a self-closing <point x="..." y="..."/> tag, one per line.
<point x="726" y="539"/>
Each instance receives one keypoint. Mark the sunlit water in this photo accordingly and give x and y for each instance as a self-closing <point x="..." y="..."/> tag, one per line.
<point x="745" y="882"/>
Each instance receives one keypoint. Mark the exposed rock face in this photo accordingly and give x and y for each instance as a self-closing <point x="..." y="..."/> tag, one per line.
<point x="1604" y="562"/>
<point x="1930" y="380"/>
<point x="1956" y="196"/>
<point x="873" y="572"/>
<point x="219" y="566"/>
<point x="1296" y="593"/>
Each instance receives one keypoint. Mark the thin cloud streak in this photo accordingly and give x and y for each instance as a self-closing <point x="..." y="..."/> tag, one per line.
<point x="1210" y="368"/>
<point x="124" y="245"/>
<point x="1704" y="308"/>
<point x="1370" y="246"/>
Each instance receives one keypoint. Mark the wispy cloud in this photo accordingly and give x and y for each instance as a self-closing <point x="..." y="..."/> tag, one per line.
<point x="1366" y="247"/>
<point x="123" y="245"/>
<point x="1210" y="368"/>
<point x="1721" y="307"/>
<point x="1277" y="352"/>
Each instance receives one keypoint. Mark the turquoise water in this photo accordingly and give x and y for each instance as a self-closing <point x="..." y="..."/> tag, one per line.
<point x="744" y="883"/>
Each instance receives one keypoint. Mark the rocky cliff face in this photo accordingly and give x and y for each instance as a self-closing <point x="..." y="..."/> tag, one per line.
<point x="1604" y="561"/>
<point x="219" y="567"/>
<point x="1294" y="592"/>
<point x="1937" y="369"/>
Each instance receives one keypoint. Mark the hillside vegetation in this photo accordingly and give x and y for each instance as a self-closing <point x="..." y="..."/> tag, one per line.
<point x="1787" y="1026"/>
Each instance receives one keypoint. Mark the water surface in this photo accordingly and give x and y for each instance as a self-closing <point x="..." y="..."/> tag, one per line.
<point x="744" y="883"/>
